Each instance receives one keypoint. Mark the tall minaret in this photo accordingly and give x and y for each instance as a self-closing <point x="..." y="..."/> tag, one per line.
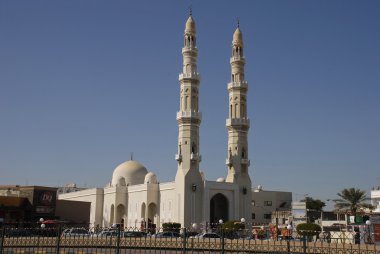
<point x="188" y="178"/>
<point x="238" y="126"/>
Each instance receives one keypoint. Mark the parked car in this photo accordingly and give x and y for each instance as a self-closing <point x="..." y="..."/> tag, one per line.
<point x="77" y="232"/>
<point x="189" y="234"/>
<point x="107" y="233"/>
<point x="167" y="235"/>
<point x="207" y="235"/>
<point x="134" y="234"/>
<point x="17" y="232"/>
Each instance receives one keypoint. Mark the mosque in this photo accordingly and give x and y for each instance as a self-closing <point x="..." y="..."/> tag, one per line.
<point x="135" y="195"/>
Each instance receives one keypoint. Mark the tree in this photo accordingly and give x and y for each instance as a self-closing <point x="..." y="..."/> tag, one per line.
<point x="314" y="204"/>
<point x="351" y="200"/>
<point x="308" y="230"/>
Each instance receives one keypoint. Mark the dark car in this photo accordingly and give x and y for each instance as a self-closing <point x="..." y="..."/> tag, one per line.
<point x="133" y="234"/>
<point x="17" y="232"/>
<point x="167" y="235"/>
<point x="189" y="234"/>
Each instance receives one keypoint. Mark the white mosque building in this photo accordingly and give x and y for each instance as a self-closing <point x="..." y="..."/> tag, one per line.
<point x="135" y="195"/>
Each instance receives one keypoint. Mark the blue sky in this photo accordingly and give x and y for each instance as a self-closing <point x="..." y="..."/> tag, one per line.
<point x="85" y="83"/>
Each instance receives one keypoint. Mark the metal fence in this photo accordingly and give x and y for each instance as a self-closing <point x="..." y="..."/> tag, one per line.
<point x="60" y="239"/>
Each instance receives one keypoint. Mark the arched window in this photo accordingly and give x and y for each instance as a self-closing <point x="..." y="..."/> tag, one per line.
<point x="243" y="153"/>
<point x="186" y="101"/>
<point x="231" y="111"/>
<point x="194" y="149"/>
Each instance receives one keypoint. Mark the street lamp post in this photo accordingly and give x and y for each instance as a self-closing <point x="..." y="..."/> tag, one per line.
<point x="368" y="224"/>
<point x="289" y="231"/>
<point x="242" y="220"/>
<point x="222" y="235"/>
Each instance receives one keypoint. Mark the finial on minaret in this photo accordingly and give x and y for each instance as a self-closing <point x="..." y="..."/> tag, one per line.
<point x="190" y="10"/>
<point x="131" y="156"/>
<point x="238" y="23"/>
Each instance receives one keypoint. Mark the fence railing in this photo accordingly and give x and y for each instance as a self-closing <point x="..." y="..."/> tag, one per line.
<point x="59" y="239"/>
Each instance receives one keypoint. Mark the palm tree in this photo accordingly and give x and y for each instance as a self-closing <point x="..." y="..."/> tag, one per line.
<point x="351" y="200"/>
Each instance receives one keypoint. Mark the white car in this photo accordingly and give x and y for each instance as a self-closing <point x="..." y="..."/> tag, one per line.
<point x="207" y="235"/>
<point x="76" y="232"/>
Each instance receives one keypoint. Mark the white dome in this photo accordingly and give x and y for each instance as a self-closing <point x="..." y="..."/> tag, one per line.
<point x="220" y="180"/>
<point x="129" y="173"/>
<point x="150" y="178"/>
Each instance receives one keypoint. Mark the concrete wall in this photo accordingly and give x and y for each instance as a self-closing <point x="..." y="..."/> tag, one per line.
<point x="94" y="196"/>
<point x="73" y="211"/>
<point x="168" y="204"/>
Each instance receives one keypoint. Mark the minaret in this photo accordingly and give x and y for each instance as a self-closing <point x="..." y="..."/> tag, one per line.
<point x="188" y="178"/>
<point x="238" y="126"/>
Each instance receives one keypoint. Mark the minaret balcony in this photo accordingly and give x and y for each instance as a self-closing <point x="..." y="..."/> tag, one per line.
<point x="195" y="157"/>
<point x="178" y="157"/>
<point x="189" y="49"/>
<point x="237" y="58"/>
<point x="194" y="75"/>
<point x="241" y="84"/>
<point x="245" y="162"/>
<point x="189" y="114"/>
<point x="237" y="122"/>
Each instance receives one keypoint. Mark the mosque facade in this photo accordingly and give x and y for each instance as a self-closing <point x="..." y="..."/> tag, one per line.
<point x="135" y="195"/>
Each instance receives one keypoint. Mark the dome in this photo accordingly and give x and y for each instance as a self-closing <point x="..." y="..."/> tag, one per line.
<point x="129" y="173"/>
<point x="190" y="25"/>
<point x="220" y="180"/>
<point x="150" y="178"/>
<point x="238" y="37"/>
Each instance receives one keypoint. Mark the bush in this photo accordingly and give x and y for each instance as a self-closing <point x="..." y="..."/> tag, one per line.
<point x="232" y="229"/>
<point x="308" y="229"/>
<point x="171" y="227"/>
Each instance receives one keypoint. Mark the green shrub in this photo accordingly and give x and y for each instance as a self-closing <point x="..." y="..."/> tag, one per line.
<point x="171" y="227"/>
<point x="308" y="229"/>
<point x="232" y="229"/>
<point x="232" y="225"/>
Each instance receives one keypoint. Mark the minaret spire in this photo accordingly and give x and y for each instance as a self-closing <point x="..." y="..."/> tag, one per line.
<point x="189" y="117"/>
<point x="189" y="120"/>
<point x="238" y="125"/>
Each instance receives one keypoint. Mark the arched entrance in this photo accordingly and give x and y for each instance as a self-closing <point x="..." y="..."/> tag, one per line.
<point x="152" y="216"/>
<point x="218" y="208"/>
<point x="120" y="213"/>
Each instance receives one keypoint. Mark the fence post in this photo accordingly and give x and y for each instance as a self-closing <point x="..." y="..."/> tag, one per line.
<point x="304" y="243"/>
<point x="184" y="240"/>
<point x="222" y="235"/>
<point x="118" y="240"/>
<point x="58" y="239"/>
<point x="2" y="239"/>
<point x="288" y="245"/>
